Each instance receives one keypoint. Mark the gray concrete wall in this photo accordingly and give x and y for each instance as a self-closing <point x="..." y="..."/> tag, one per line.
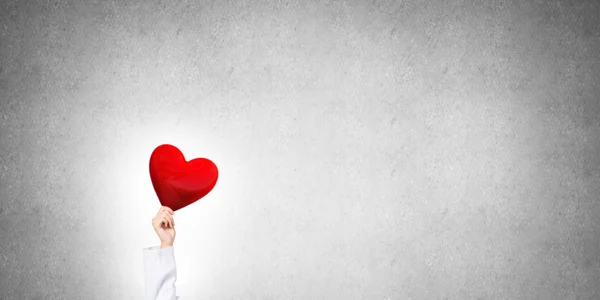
<point x="367" y="150"/>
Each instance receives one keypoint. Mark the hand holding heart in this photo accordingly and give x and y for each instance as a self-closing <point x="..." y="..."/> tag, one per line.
<point x="164" y="226"/>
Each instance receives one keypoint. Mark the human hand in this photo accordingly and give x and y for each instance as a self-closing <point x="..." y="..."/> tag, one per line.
<point x="164" y="225"/>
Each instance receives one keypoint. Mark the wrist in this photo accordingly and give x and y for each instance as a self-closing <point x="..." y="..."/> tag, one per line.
<point x="165" y="245"/>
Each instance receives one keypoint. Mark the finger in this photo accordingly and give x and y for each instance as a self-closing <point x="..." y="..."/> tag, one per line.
<point x="164" y="222"/>
<point x="168" y="215"/>
<point x="163" y="209"/>
<point x="157" y="222"/>
<point x="167" y="209"/>
<point x="170" y="219"/>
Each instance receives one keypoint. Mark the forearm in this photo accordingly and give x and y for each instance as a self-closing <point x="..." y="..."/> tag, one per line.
<point x="160" y="272"/>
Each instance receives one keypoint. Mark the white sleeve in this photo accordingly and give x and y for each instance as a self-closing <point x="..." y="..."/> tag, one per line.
<point x="160" y="273"/>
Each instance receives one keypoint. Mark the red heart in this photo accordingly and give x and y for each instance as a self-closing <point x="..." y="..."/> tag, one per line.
<point x="177" y="182"/>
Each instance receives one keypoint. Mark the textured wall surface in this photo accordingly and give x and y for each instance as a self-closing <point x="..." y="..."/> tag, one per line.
<point x="367" y="149"/>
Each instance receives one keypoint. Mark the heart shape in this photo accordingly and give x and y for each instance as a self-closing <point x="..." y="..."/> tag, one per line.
<point x="177" y="182"/>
